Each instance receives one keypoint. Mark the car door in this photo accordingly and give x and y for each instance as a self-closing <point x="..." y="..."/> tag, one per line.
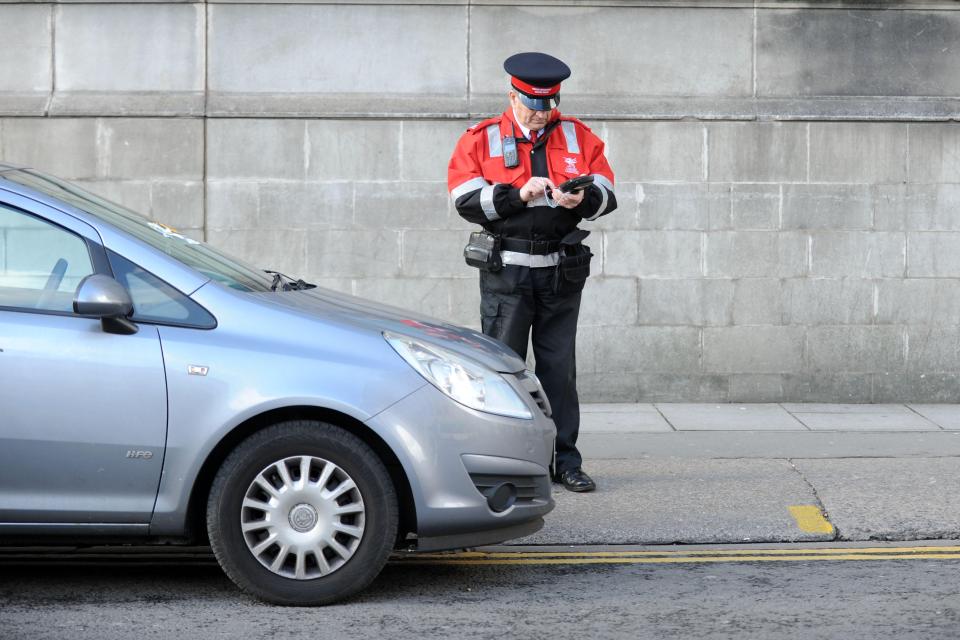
<point x="84" y="412"/>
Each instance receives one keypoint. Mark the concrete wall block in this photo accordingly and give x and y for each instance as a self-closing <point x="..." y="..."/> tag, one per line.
<point x="667" y="254"/>
<point x="927" y="301"/>
<point x="607" y="387"/>
<point x="177" y="204"/>
<point x="933" y="349"/>
<point x="630" y="195"/>
<point x="748" y="206"/>
<point x="306" y="205"/>
<point x="277" y="249"/>
<point x="820" y="301"/>
<point x="758" y="301"/>
<point x="918" y="387"/>
<point x="130" y="47"/>
<point x="856" y="254"/>
<point x="824" y="206"/>
<point x="465" y="300"/>
<point x="434" y="254"/>
<point x="402" y="205"/>
<point x="608" y="300"/>
<point x="861" y="152"/>
<point x="672" y="387"/>
<point x="934" y="152"/>
<point x="855" y="349"/>
<point x="426" y="146"/>
<point x="756" y="387"/>
<point x="151" y="148"/>
<point x="647" y="151"/>
<point x="26" y="64"/>
<point x="353" y="150"/>
<point x="756" y="254"/>
<point x="429" y="296"/>
<point x="354" y="253"/>
<point x="933" y="254"/>
<point x="804" y="52"/>
<point x="756" y="349"/>
<point x="233" y="205"/>
<point x="824" y="386"/>
<point x="663" y="51"/>
<point x="680" y="206"/>
<point x="757" y="151"/>
<point x="64" y="147"/>
<point x="629" y="349"/>
<point x="249" y="148"/>
<point x="686" y="302"/>
<point x="918" y="207"/>
<point x="278" y="39"/>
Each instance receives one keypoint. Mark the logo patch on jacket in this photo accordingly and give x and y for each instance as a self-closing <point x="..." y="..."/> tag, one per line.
<point x="571" y="166"/>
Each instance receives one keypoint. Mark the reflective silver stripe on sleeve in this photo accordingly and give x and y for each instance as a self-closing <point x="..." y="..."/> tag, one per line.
<point x="470" y="185"/>
<point x="603" y="202"/>
<point x="602" y="180"/>
<point x="570" y="133"/>
<point x="486" y="203"/>
<point x="493" y="138"/>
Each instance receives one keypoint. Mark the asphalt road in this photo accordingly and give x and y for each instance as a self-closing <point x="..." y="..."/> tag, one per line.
<point x="669" y="592"/>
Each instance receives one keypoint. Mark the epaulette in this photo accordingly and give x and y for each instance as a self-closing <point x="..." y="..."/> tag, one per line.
<point x="577" y="121"/>
<point x="480" y="126"/>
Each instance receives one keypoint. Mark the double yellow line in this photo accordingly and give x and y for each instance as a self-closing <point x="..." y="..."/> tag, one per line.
<point x="481" y="558"/>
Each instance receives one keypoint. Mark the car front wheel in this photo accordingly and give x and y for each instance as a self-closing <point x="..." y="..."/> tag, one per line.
<point x="302" y="513"/>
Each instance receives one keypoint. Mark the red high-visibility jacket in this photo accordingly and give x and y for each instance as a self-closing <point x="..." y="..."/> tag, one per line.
<point x="488" y="193"/>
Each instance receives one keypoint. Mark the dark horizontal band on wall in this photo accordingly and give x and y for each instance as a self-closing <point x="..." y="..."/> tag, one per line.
<point x="412" y="107"/>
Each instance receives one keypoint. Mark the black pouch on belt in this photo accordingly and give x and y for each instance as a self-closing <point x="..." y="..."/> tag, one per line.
<point x="483" y="251"/>
<point x="573" y="269"/>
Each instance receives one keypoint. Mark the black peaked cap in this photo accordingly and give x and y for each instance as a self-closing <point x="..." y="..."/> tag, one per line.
<point x="538" y="69"/>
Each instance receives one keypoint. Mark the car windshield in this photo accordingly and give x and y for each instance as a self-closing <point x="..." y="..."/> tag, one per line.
<point x="202" y="257"/>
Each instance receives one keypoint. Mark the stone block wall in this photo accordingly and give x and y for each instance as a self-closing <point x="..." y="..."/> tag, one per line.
<point x="788" y="172"/>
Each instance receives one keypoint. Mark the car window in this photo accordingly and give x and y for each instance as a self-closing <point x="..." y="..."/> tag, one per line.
<point x="41" y="264"/>
<point x="156" y="301"/>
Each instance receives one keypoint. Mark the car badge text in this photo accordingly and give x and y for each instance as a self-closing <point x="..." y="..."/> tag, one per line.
<point x="197" y="370"/>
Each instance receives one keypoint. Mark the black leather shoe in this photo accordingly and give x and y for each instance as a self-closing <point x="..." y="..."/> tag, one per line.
<point x="576" y="480"/>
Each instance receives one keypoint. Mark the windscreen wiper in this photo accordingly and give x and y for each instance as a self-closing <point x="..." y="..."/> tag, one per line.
<point x="288" y="283"/>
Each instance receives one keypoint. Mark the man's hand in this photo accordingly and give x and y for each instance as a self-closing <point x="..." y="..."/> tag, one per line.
<point x="567" y="200"/>
<point x="534" y="188"/>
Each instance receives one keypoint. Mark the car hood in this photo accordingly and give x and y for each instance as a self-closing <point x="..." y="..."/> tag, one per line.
<point x="333" y="305"/>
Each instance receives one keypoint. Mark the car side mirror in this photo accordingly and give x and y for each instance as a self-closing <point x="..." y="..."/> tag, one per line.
<point x="103" y="297"/>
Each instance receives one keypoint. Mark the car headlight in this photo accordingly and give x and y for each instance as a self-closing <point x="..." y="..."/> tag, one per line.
<point x="467" y="382"/>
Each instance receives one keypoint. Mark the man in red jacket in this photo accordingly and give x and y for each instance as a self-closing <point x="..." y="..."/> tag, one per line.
<point x="504" y="175"/>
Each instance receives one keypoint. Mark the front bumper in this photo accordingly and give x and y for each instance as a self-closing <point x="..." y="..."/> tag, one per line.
<point x="451" y="454"/>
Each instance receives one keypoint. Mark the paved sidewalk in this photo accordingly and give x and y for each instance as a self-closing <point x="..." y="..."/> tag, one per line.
<point x="704" y="430"/>
<point x="666" y="417"/>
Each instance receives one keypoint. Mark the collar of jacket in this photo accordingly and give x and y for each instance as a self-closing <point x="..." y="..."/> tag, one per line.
<point x="507" y="119"/>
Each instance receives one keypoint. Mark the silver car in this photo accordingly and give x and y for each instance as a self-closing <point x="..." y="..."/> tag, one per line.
<point x="153" y="389"/>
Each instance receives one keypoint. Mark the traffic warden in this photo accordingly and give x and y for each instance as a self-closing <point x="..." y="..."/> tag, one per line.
<point x="529" y="176"/>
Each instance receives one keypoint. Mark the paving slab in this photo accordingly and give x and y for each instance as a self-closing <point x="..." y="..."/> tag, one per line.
<point x="729" y="417"/>
<point x="619" y="407"/>
<point x="623" y="422"/>
<point x="822" y="407"/>
<point x="945" y="415"/>
<point x="681" y="500"/>
<point x="888" y="498"/>
<point x="862" y="421"/>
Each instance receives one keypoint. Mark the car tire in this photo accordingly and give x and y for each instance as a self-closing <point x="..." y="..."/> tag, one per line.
<point x="322" y="563"/>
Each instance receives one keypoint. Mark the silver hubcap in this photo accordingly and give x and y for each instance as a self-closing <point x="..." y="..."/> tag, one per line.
<point x="302" y="517"/>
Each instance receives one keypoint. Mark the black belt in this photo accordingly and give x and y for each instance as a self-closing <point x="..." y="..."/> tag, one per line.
<point x="534" y="247"/>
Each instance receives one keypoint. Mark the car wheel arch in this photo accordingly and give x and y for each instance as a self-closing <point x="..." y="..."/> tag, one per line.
<point x="196" y="513"/>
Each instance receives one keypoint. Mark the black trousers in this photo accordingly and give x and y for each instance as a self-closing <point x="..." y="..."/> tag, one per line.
<point x="517" y="299"/>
